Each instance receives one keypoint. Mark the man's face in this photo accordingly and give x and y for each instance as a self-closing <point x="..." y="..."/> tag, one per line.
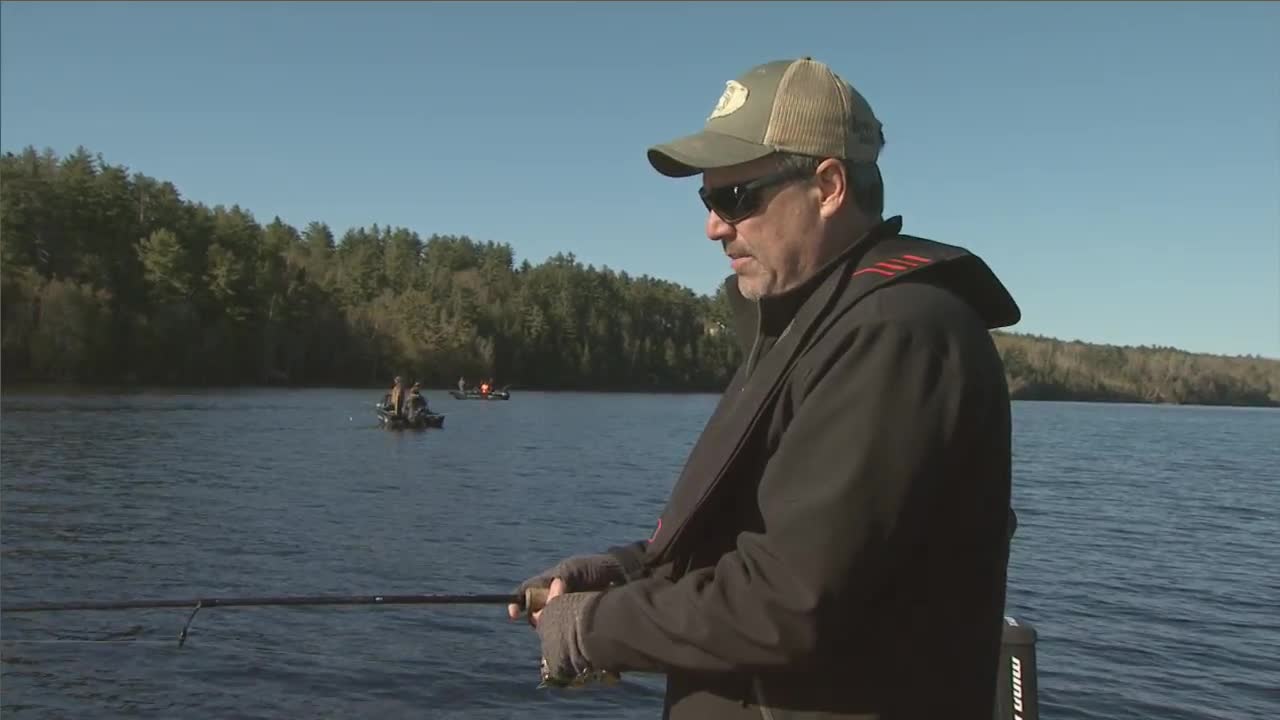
<point x="775" y="248"/>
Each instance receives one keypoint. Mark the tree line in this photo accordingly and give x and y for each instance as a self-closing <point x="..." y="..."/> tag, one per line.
<point x="112" y="277"/>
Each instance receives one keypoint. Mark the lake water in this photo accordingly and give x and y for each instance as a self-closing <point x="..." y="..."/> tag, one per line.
<point x="1146" y="555"/>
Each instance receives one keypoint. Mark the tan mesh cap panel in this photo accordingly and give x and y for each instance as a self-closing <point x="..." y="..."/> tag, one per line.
<point x="818" y="113"/>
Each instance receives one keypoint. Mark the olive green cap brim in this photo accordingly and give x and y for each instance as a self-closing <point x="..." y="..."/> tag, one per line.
<point x="704" y="150"/>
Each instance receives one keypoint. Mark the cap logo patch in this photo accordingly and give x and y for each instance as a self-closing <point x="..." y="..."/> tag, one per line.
<point x="733" y="98"/>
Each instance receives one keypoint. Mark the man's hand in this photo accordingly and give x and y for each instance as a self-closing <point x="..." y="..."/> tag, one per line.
<point x="578" y="573"/>
<point x="560" y="624"/>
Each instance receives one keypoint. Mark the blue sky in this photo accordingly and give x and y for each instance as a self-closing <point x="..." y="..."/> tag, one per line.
<point x="1118" y="165"/>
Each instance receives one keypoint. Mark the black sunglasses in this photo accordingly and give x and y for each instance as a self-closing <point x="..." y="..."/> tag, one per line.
<point x="735" y="203"/>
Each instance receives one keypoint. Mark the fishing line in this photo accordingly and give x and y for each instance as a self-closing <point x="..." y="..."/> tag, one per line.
<point x="221" y="642"/>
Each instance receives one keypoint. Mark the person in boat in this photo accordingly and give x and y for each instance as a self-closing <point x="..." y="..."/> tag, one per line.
<point x="462" y="384"/>
<point x="416" y="405"/>
<point x="836" y="545"/>
<point x="484" y="388"/>
<point x="395" y="402"/>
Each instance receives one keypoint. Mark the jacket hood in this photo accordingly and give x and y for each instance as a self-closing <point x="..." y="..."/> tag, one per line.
<point x="885" y="256"/>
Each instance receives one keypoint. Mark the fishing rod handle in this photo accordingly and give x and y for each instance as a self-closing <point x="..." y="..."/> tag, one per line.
<point x="535" y="598"/>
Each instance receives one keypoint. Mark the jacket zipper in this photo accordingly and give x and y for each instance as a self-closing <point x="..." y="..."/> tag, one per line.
<point x="755" y="346"/>
<point x="765" y="712"/>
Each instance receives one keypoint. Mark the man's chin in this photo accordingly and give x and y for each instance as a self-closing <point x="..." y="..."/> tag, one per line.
<point x="751" y="288"/>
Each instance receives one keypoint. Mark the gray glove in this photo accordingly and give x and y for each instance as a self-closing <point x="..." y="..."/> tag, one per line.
<point x="564" y="662"/>
<point x="580" y="573"/>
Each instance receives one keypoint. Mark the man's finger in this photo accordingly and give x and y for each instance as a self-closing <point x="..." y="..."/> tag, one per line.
<point x="556" y="589"/>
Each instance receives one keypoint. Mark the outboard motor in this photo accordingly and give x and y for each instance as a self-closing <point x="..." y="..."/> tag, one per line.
<point x="1017" y="692"/>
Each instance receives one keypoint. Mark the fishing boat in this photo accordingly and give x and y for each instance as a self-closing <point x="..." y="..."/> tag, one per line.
<point x="477" y="395"/>
<point x="419" y="422"/>
<point x="391" y="421"/>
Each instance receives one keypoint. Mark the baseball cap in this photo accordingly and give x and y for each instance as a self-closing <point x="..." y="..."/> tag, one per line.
<point x="798" y="106"/>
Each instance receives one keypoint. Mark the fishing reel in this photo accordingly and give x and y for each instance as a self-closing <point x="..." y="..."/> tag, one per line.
<point x="582" y="679"/>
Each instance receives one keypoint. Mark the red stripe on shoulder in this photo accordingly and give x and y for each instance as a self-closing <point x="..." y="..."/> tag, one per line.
<point x="877" y="270"/>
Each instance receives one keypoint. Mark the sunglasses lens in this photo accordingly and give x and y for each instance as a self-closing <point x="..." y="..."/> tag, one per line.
<point x="736" y="202"/>
<point x="731" y="203"/>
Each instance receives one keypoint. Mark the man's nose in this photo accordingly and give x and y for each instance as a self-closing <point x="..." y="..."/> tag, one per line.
<point x="717" y="229"/>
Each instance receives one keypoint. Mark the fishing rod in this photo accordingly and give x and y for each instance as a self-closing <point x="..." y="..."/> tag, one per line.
<point x="532" y="600"/>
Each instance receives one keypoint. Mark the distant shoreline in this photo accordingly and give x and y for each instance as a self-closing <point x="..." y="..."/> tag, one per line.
<point x="112" y="279"/>
<point x="69" y="388"/>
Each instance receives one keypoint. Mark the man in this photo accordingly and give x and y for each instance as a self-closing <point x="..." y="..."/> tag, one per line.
<point x="836" y="545"/>
<point x="396" y="398"/>
<point x="416" y="404"/>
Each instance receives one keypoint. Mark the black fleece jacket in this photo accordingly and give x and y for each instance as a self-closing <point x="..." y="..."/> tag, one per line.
<point x="837" y="542"/>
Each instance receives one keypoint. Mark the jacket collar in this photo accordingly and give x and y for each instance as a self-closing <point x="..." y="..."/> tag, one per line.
<point x="771" y="315"/>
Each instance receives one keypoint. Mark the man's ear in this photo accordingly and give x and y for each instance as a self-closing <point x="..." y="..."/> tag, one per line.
<point x="832" y="182"/>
